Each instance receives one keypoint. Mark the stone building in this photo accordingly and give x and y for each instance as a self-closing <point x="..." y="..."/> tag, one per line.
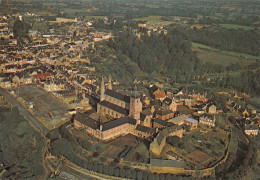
<point x="207" y="120"/>
<point x="164" y="114"/>
<point x="160" y="141"/>
<point x="251" y="129"/>
<point x="169" y="104"/>
<point x="108" y="130"/>
<point x="119" y="105"/>
<point x="112" y="129"/>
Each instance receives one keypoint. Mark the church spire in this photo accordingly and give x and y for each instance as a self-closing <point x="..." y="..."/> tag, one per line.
<point x="102" y="90"/>
<point x="109" y="83"/>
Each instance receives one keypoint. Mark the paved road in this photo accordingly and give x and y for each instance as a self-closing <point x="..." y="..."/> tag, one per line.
<point x="32" y="120"/>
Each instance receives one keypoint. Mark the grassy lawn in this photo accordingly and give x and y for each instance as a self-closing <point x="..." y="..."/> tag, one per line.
<point x="218" y="57"/>
<point x="236" y="26"/>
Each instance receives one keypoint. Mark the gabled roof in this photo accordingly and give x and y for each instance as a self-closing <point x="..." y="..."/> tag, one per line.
<point x="118" y="122"/>
<point x="161" y="122"/>
<point x="117" y="95"/>
<point x="167" y="101"/>
<point x="209" y="116"/>
<point x="142" y="117"/>
<point x="144" y="129"/>
<point x="154" y="88"/>
<point x="251" y="127"/>
<point x="178" y="119"/>
<point x="191" y="120"/>
<point x="183" y="109"/>
<point x="147" y="112"/>
<point x="163" y="112"/>
<point x="114" y="107"/>
<point x="88" y="121"/>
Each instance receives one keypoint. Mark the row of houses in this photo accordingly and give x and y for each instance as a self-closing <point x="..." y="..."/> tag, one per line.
<point x="251" y="117"/>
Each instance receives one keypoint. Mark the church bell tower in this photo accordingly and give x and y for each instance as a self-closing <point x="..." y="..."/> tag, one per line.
<point x="135" y="105"/>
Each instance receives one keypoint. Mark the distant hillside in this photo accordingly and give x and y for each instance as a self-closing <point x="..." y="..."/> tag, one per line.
<point x="169" y="54"/>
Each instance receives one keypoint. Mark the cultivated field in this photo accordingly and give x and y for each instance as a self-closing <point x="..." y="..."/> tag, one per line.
<point x="209" y="54"/>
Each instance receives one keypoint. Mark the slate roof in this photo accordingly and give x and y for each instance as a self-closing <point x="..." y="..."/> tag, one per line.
<point x="117" y="95"/>
<point x="191" y="120"/>
<point x="183" y="109"/>
<point x="144" y="129"/>
<point x="142" y="117"/>
<point x="161" y="122"/>
<point x="118" y="122"/>
<point x="163" y="112"/>
<point x="251" y="127"/>
<point x="165" y="133"/>
<point x="167" y="101"/>
<point x="209" y="116"/>
<point x="154" y="88"/>
<point x="88" y="121"/>
<point x="114" y="107"/>
<point x="147" y="112"/>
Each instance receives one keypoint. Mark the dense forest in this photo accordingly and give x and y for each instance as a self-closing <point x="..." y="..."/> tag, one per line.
<point x="20" y="31"/>
<point x="169" y="55"/>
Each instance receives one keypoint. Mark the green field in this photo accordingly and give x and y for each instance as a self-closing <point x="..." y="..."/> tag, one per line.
<point x="248" y="57"/>
<point x="236" y="26"/>
<point x="218" y="57"/>
<point x="154" y="20"/>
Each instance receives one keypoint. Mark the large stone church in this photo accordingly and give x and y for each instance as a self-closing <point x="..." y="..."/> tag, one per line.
<point x="117" y="105"/>
<point x="126" y="111"/>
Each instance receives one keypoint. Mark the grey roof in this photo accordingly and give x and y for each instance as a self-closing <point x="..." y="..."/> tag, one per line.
<point x="165" y="133"/>
<point x="118" y="122"/>
<point x="142" y="117"/>
<point x="251" y="127"/>
<point x="154" y="88"/>
<point x="191" y="120"/>
<point x="167" y="101"/>
<point x="161" y="122"/>
<point x="114" y="107"/>
<point x="117" y="95"/>
<point x="167" y="163"/>
<point x="163" y="112"/>
<point x="88" y="121"/>
<point x="144" y="129"/>
<point x="147" y="112"/>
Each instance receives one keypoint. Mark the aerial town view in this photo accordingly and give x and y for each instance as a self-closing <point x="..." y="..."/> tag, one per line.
<point x="130" y="89"/>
